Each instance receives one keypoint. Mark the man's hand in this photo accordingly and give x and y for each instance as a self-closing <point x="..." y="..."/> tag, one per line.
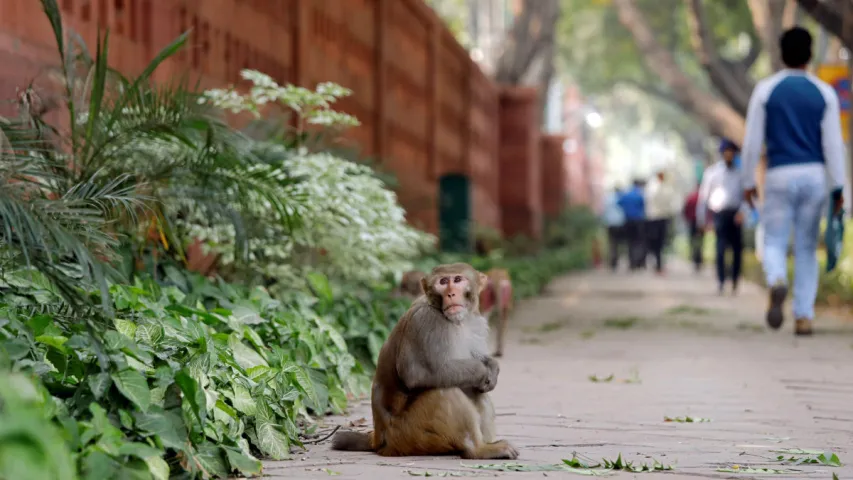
<point x="749" y="196"/>
<point x="838" y="204"/>
<point x="739" y="218"/>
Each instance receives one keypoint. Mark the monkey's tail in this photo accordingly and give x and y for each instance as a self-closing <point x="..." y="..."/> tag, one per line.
<point x="354" y="441"/>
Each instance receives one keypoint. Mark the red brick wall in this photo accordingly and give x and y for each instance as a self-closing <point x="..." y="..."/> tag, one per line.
<point x="425" y="108"/>
<point x="554" y="191"/>
<point x="520" y="169"/>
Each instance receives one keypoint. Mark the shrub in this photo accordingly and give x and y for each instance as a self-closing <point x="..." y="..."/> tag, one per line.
<point x="204" y="379"/>
<point x="352" y="227"/>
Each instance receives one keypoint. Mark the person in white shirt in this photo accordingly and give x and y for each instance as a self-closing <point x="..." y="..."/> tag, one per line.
<point x="797" y="117"/>
<point x="661" y="205"/>
<point x="720" y="192"/>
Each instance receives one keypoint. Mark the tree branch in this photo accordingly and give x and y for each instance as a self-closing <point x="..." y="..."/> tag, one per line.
<point x="716" y="114"/>
<point x="530" y="34"/>
<point x="732" y="83"/>
<point x="648" y="89"/>
<point x="830" y="16"/>
<point x="752" y="55"/>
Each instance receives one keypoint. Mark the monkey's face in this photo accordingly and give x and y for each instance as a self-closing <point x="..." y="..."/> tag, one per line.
<point x="455" y="290"/>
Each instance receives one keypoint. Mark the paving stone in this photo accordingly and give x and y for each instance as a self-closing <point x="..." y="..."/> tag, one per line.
<point x="693" y="353"/>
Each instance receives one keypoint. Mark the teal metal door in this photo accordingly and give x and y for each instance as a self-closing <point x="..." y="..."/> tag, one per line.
<point x="454" y="213"/>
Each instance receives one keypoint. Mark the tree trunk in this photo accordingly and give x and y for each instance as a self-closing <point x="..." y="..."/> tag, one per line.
<point x="731" y="80"/>
<point x="716" y="114"/>
<point x="529" y="42"/>
<point x="768" y="17"/>
<point x="830" y="14"/>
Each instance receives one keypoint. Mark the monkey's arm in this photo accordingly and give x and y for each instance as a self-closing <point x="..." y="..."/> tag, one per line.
<point x="423" y="361"/>
<point x="446" y="373"/>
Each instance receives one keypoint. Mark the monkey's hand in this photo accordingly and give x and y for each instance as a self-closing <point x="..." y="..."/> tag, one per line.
<point x="490" y="381"/>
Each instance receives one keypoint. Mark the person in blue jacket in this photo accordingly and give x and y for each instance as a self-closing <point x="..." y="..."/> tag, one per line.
<point x="633" y="206"/>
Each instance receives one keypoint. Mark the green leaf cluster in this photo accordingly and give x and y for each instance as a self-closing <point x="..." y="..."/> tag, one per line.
<point x="202" y="381"/>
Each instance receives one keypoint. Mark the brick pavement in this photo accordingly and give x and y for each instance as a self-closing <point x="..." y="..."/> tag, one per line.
<point x="684" y="351"/>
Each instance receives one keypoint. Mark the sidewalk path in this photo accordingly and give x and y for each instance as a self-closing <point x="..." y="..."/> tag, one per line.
<point x="684" y="350"/>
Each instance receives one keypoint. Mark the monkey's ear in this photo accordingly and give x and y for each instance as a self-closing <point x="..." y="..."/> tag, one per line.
<point x="424" y="285"/>
<point x="483" y="281"/>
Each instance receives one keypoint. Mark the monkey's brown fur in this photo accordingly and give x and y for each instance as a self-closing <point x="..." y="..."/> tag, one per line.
<point x="410" y="284"/>
<point x="499" y="287"/>
<point x="429" y="393"/>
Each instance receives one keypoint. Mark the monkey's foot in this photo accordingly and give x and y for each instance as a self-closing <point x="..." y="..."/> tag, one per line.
<point x="500" y="450"/>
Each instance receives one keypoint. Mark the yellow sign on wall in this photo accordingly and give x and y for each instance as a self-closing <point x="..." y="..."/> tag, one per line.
<point x="838" y="76"/>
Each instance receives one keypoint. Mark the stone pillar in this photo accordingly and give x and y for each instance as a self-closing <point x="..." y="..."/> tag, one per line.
<point x="519" y="161"/>
<point x="553" y="174"/>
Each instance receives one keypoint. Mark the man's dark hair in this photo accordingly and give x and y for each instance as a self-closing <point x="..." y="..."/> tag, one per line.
<point x="796" y="47"/>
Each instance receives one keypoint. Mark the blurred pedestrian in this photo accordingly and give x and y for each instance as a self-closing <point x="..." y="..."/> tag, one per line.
<point x="661" y="204"/>
<point x="634" y="207"/>
<point x="797" y="117"/>
<point x="614" y="219"/>
<point x="720" y="193"/>
<point x="695" y="232"/>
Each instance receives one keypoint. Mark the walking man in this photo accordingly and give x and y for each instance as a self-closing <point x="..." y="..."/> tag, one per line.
<point x="694" y="230"/>
<point x="661" y="203"/>
<point x="797" y="117"/>
<point x="614" y="220"/>
<point x="720" y="193"/>
<point x="634" y="206"/>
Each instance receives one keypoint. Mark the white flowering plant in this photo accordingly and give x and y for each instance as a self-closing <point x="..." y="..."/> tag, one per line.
<point x="311" y="107"/>
<point x="351" y="227"/>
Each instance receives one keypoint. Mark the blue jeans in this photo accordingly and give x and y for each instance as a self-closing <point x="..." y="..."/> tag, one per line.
<point x="798" y="202"/>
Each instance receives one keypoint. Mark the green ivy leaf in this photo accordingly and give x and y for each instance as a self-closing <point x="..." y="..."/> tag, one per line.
<point x="167" y="426"/>
<point x="320" y="286"/>
<point x="32" y="447"/>
<point x="38" y="324"/>
<point x="245" y="356"/>
<point x="134" y="387"/>
<point x="125" y="327"/>
<point x="99" y="383"/>
<point x="271" y="440"/>
<point x="16" y="348"/>
<point x="247" y="316"/>
<point x="139" y="450"/>
<point x="247" y="465"/>
<point x="193" y="394"/>
<point x="55" y="341"/>
<point x="149" y="334"/>
<point x="303" y="380"/>
<point x="226" y="408"/>
<point x="158" y="467"/>
<point x="243" y="401"/>
<point x="211" y="459"/>
<point x="98" y="465"/>
<point x="255" y="373"/>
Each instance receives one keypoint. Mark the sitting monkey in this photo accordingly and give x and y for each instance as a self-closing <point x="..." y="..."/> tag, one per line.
<point x="430" y="391"/>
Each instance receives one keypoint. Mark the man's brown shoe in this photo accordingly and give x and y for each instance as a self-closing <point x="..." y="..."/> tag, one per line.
<point x="775" y="315"/>
<point x="803" y="327"/>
